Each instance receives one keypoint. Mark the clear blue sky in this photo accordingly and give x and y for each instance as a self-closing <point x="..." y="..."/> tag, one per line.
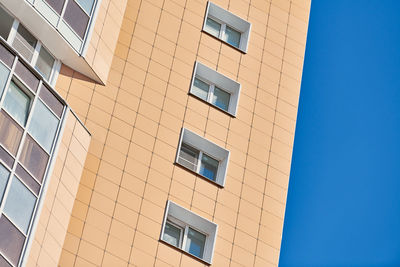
<point x="343" y="204"/>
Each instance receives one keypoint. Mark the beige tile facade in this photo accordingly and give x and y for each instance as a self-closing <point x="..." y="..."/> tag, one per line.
<point x="136" y="118"/>
<point x="51" y="229"/>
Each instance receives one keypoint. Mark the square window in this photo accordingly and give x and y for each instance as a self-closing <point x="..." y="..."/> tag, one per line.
<point x="203" y="157"/>
<point x="215" y="88"/>
<point x="189" y="232"/>
<point x="227" y="27"/>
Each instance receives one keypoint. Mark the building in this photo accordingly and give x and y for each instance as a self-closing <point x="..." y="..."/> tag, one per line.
<point x="147" y="132"/>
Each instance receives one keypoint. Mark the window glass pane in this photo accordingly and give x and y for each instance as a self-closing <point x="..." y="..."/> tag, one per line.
<point x="4" y="173"/>
<point x="6" y="56"/>
<point x="17" y="103"/>
<point x="55" y="105"/>
<point x="221" y="98"/>
<point x="10" y="133"/>
<point x="86" y="5"/>
<point x="6" y="22"/>
<point x="4" y="263"/>
<point x="43" y="125"/>
<point x="4" y="71"/>
<point x="212" y="27"/>
<point x="76" y="18"/>
<point x="57" y="5"/>
<point x="27" y="76"/>
<point x="195" y="243"/>
<point x="24" y="42"/>
<point x="34" y="158"/>
<point x="172" y="234"/>
<point x="200" y="89"/>
<point x="209" y="167"/>
<point x="19" y="205"/>
<point x="27" y="179"/>
<point x="44" y="63"/>
<point x="188" y="157"/>
<point x="231" y="36"/>
<point x="11" y="240"/>
<point x="6" y="157"/>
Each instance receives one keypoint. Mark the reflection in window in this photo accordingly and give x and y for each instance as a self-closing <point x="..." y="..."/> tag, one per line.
<point x="221" y="98"/>
<point x="212" y="27"/>
<point x="200" y="89"/>
<point x="43" y="125"/>
<point x="20" y="204"/>
<point x="6" y="22"/>
<point x="34" y="158"/>
<point x="172" y="234"/>
<point x="17" y="103"/>
<point x="44" y="63"/>
<point x="195" y="243"/>
<point x="188" y="157"/>
<point x="231" y="36"/>
<point x="4" y="173"/>
<point x="24" y="43"/>
<point x="10" y="133"/>
<point x="209" y="167"/>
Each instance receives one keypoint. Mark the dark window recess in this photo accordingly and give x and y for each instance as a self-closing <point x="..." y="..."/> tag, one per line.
<point x="76" y="18"/>
<point x="51" y="100"/>
<point x="27" y="76"/>
<point x="28" y="179"/>
<point x="11" y="240"/>
<point x="34" y="158"/>
<point x="10" y="133"/>
<point x="57" y="5"/>
<point x="7" y="158"/>
<point x="6" y="56"/>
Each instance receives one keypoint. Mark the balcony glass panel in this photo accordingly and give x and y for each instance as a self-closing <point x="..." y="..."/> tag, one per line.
<point x="10" y="133"/>
<point x="20" y="204"/>
<point x="11" y="240"/>
<point x="6" y="22"/>
<point x="34" y="158"/>
<point x="4" y="173"/>
<point x="17" y="103"/>
<point x="24" y="43"/>
<point x="43" y="125"/>
<point x="44" y="63"/>
<point x="4" y="72"/>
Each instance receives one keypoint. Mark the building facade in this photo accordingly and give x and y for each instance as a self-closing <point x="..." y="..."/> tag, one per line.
<point x="147" y="132"/>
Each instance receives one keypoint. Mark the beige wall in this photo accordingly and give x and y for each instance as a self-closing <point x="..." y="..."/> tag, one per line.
<point x="63" y="185"/>
<point x="104" y="36"/>
<point x="135" y="121"/>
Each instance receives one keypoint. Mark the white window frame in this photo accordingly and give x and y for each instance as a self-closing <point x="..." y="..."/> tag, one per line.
<point x="184" y="219"/>
<point x="226" y="18"/>
<point x="55" y="70"/>
<point x="216" y="79"/>
<point x="209" y="148"/>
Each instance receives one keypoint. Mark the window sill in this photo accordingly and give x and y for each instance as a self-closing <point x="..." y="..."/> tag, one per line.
<point x="228" y="44"/>
<point x="185" y="252"/>
<point x="199" y="175"/>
